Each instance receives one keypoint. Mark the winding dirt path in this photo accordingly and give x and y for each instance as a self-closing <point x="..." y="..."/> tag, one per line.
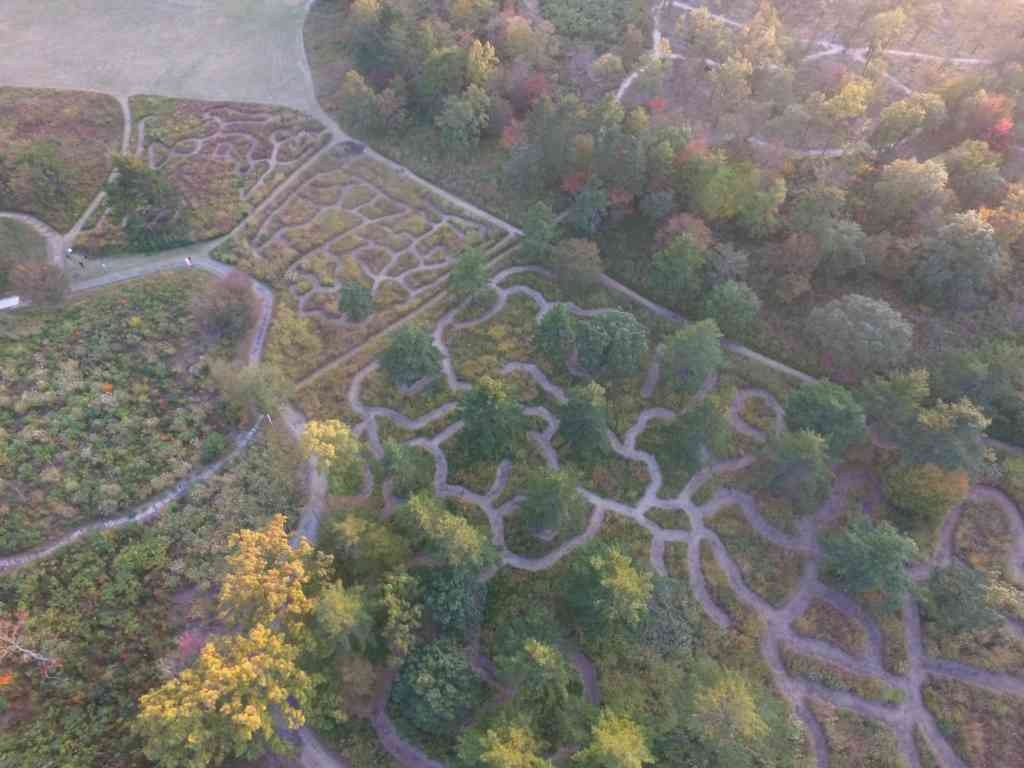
<point x="778" y="633"/>
<point x="659" y="53"/>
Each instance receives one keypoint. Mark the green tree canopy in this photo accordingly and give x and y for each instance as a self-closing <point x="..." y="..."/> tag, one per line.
<point x="975" y="174"/>
<point x="221" y="707"/>
<point x="153" y="211"/>
<point x="355" y="300"/>
<point x="464" y="118"/>
<point x="692" y="354"/>
<point x="410" y="469"/>
<point x="588" y="209"/>
<point x="450" y="536"/>
<point x="903" y="118"/>
<point x="924" y="493"/>
<point x="583" y="423"/>
<point x="869" y="557"/>
<point x="959" y="264"/>
<point x="734" y="307"/>
<point x="577" y="265"/>
<point x="342" y="618"/>
<point x="468" y="277"/>
<point x="908" y="191"/>
<point x="539" y="232"/>
<point x="861" y="333"/>
<point x="831" y="411"/>
<point x="436" y="688"/>
<point x="494" y="423"/>
<point x="616" y="742"/>
<point x="945" y="434"/>
<point x="795" y="465"/>
<point x="991" y="374"/>
<point x="510" y="745"/>
<point x="410" y="356"/>
<point x="956" y="598"/>
<point x="556" y="334"/>
<point x="609" y="594"/>
<point x="455" y="599"/>
<point x="677" y="271"/>
<point x="552" y="501"/>
<point x="611" y="345"/>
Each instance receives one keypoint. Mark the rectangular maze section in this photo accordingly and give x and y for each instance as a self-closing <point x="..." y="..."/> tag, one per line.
<point x="353" y="220"/>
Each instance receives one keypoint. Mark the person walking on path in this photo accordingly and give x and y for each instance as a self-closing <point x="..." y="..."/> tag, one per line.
<point x="188" y="261"/>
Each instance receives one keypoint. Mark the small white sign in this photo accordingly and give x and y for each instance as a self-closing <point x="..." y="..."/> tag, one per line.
<point x="10" y="302"/>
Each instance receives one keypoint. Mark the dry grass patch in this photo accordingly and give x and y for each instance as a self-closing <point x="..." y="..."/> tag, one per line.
<point x="832" y="676"/>
<point x="771" y="571"/>
<point x="984" y="728"/>
<point x="855" y="741"/>
<point x="823" y="621"/>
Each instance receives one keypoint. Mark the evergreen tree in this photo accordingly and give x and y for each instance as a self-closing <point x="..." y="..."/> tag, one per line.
<point x="494" y="423"/>
<point x="410" y="356"/>
<point x="583" y="423"/>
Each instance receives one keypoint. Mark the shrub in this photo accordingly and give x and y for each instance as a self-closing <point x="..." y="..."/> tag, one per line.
<point x="226" y="308"/>
<point x="436" y="687"/>
<point x="410" y="356"/>
<point x="355" y="300"/>
<point x="956" y="598"/>
<point x="924" y="493"/>
<point x="214" y="446"/>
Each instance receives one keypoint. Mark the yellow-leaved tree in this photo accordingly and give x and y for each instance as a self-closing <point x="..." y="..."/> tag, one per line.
<point x="726" y="711"/>
<point x="451" y="536"/>
<point x="222" y="707"/>
<point x="267" y="579"/>
<point x="336" y="451"/>
<point x="616" y="742"/>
